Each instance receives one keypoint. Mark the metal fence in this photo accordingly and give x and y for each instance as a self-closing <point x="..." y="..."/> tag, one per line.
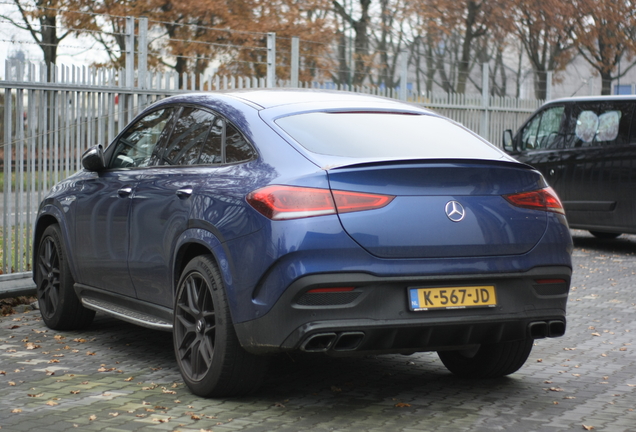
<point x="46" y="124"/>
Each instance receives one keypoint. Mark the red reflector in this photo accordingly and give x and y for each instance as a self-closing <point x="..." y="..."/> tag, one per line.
<point x="543" y="199"/>
<point x="330" y="290"/>
<point x="550" y="281"/>
<point x="290" y="202"/>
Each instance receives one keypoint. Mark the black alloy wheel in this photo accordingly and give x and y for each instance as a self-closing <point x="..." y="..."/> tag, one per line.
<point x="60" y="307"/>
<point x="489" y="360"/>
<point x="210" y="357"/>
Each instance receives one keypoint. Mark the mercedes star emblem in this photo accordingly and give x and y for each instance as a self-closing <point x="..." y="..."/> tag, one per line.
<point x="455" y="211"/>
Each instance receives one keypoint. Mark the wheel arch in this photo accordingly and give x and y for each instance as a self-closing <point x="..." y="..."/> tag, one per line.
<point x="195" y="242"/>
<point x="43" y="222"/>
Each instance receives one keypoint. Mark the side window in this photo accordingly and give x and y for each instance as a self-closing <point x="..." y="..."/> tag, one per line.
<point x="188" y="136"/>
<point x="237" y="149"/>
<point x="600" y="123"/>
<point x="543" y="131"/>
<point x="136" y="146"/>
<point x="212" y="149"/>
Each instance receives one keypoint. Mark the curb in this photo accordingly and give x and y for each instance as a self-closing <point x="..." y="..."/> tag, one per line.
<point x="16" y="285"/>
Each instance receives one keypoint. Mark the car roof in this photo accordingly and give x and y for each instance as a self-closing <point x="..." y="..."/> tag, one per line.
<point x="608" y="98"/>
<point x="269" y="98"/>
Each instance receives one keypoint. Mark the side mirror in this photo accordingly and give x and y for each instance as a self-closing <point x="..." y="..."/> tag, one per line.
<point x="93" y="158"/>
<point x="508" y="144"/>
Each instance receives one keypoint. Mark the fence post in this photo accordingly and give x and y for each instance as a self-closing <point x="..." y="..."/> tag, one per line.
<point x="6" y="227"/>
<point x="295" y="61"/>
<point x="129" y="73"/>
<point x="130" y="52"/>
<point x="404" y="70"/>
<point x="271" y="60"/>
<point x="485" y="102"/>
<point x="142" y="56"/>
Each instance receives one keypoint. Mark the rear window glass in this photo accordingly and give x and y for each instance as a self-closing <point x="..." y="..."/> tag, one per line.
<point x="384" y="135"/>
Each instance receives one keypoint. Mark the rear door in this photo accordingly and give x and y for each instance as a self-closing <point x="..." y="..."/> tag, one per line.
<point x="161" y="205"/>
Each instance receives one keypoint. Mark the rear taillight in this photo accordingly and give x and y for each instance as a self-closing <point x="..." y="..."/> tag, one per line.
<point x="290" y="202"/>
<point x="542" y="199"/>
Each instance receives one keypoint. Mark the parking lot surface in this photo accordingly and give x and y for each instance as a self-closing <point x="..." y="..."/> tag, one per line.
<point x="119" y="377"/>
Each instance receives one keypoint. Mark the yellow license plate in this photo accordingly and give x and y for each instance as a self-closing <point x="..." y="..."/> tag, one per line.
<point x="422" y="299"/>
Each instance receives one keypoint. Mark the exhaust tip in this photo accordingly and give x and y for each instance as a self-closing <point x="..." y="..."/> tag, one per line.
<point x="348" y="341"/>
<point x="320" y="342"/>
<point x="556" y="328"/>
<point x="538" y="330"/>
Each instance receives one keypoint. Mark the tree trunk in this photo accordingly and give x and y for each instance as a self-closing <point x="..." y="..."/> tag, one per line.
<point x="540" y="84"/>
<point x="606" y="79"/>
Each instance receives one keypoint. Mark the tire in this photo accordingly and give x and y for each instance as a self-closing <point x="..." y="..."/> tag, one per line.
<point x="604" y="235"/>
<point x="59" y="306"/>
<point x="210" y="357"/>
<point x="488" y="361"/>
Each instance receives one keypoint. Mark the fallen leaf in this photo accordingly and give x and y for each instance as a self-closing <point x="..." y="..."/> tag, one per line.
<point x="586" y="427"/>
<point x="51" y="403"/>
<point x="35" y="395"/>
<point x="279" y="405"/>
<point x="115" y="414"/>
<point x="129" y="379"/>
<point x="16" y="410"/>
<point x="336" y="389"/>
<point x="555" y="389"/>
<point x="54" y="361"/>
<point x="75" y="391"/>
<point x="93" y="417"/>
<point x="402" y="405"/>
<point x="11" y="383"/>
<point x="80" y="340"/>
<point x="596" y="334"/>
<point x="32" y="346"/>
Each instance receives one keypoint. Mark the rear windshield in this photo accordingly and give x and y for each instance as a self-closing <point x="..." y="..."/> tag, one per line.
<point x="385" y="135"/>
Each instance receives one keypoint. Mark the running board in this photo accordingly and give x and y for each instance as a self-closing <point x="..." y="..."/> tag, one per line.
<point x="145" y="314"/>
<point x="127" y="314"/>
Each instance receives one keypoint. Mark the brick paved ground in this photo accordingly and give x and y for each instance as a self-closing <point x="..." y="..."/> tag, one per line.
<point x="119" y="377"/>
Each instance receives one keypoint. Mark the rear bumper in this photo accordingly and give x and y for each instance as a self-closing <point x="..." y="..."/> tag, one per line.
<point x="375" y="316"/>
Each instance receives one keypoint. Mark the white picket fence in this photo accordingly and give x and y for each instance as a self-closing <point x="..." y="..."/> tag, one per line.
<point x="47" y="124"/>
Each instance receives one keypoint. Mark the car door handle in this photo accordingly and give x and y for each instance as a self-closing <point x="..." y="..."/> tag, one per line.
<point x="124" y="192"/>
<point x="184" y="192"/>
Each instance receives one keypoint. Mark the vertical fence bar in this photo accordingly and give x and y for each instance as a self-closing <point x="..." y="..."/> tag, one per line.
<point x="142" y="61"/>
<point x="404" y="70"/>
<point x="19" y="174"/>
<point x="271" y="60"/>
<point x="6" y="228"/>
<point x="295" y="61"/>
<point x="485" y="102"/>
